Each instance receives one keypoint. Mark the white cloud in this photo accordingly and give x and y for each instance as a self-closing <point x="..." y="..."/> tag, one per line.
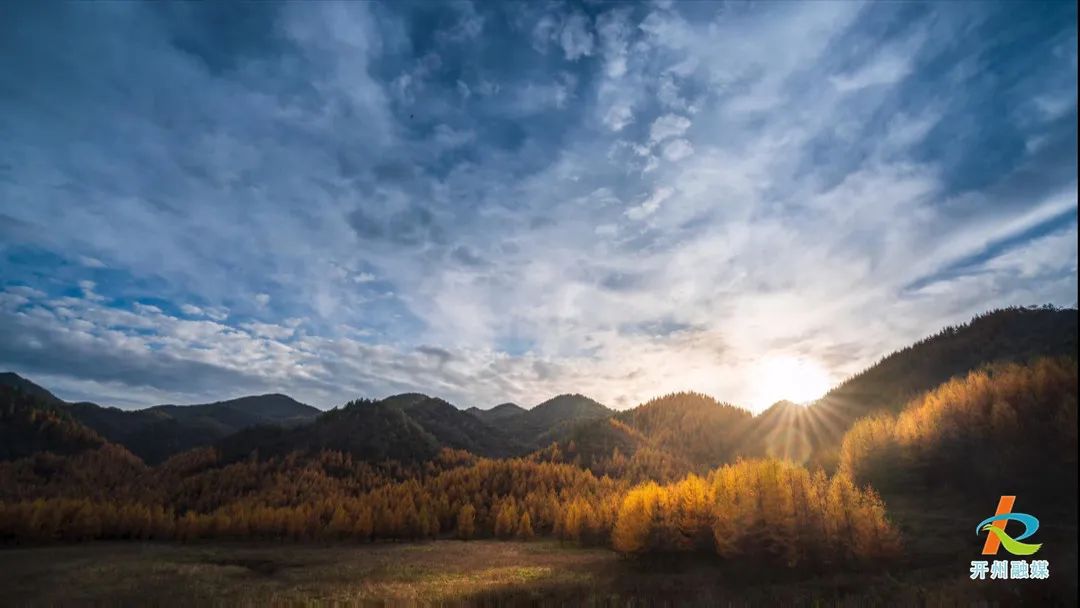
<point x="668" y="125"/>
<point x="884" y="70"/>
<point x="575" y="38"/>
<point x="448" y="137"/>
<point x="677" y="149"/>
<point x="618" y="117"/>
<point x="650" y="204"/>
<point x="90" y="262"/>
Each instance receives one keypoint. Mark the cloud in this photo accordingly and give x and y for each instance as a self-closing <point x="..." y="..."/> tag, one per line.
<point x="618" y="117"/>
<point x="575" y="38"/>
<point x="492" y="202"/>
<point x="650" y="204"/>
<point x="668" y="125"/>
<point x="90" y="262"/>
<point x="677" y="149"/>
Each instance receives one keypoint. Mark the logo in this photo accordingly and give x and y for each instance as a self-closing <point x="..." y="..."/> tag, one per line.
<point x="997" y="537"/>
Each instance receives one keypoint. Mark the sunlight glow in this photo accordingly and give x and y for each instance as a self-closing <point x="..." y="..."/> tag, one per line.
<point x="793" y="378"/>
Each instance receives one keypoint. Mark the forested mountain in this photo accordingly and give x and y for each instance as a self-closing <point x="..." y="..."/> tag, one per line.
<point x="1006" y="422"/>
<point x="662" y="437"/>
<point x="17" y="382"/>
<point x="413" y="427"/>
<point x="158" y="432"/>
<point x="30" y="424"/>
<point x="155" y="433"/>
<point x="1006" y="335"/>
<point x="693" y="426"/>
<point x="367" y="430"/>
<point x="553" y="419"/>
<point x="457" y="429"/>
<point x="500" y="413"/>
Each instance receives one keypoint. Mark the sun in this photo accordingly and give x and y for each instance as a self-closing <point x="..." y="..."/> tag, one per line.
<point x="796" y="379"/>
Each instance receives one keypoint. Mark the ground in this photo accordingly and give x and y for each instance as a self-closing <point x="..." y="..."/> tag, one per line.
<point x="443" y="572"/>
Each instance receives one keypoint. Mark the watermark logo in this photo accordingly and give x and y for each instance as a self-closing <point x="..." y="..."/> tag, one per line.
<point x="997" y="537"/>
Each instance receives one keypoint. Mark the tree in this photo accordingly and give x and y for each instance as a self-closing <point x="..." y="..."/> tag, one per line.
<point x="466" y="522"/>
<point x="524" y="528"/>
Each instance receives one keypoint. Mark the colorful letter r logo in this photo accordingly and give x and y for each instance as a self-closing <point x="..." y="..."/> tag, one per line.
<point x="995" y="529"/>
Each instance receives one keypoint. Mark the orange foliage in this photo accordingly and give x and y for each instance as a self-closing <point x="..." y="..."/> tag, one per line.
<point x="769" y="510"/>
<point x="1011" y="421"/>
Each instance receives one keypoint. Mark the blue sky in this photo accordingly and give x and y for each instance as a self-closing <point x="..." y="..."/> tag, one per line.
<point x="505" y="201"/>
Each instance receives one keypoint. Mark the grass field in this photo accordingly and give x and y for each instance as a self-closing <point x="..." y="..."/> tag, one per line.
<point x="448" y="573"/>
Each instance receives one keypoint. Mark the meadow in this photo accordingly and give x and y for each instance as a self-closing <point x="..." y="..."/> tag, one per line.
<point x="486" y="572"/>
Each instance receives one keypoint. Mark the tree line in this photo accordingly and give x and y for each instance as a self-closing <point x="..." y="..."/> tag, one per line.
<point x="758" y="509"/>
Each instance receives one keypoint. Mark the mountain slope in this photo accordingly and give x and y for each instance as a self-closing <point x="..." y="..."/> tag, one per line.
<point x="693" y="426"/>
<point x="409" y="427"/>
<point x="504" y="412"/>
<point x="1008" y="423"/>
<point x="554" y="419"/>
<point x="158" y="432"/>
<point x="1006" y="335"/>
<point x="372" y="431"/>
<point x="244" y="411"/>
<point x="461" y="430"/>
<point x="31" y="424"/>
<point x="17" y="382"/>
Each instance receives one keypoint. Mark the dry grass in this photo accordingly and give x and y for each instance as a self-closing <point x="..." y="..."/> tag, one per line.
<point x="461" y="573"/>
<point x="272" y="573"/>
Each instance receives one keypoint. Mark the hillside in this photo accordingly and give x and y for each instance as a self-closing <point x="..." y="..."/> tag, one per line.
<point x="30" y="424"/>
<point x="157" y="432"/>
<point x="1007" y="422"/>
<point x="1005" y="335"/>
<point x="17" y="382"/>
<point x="457" y="429"/>
<point x="504" y="412"/>
<point x="687" y="429"/>
<point x="553" y="419"/>
<point x="371" y="431"/>
<point x="692" y="426"/>
<point x="410" y="427"/>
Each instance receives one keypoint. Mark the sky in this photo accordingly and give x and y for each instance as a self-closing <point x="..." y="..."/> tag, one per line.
<point x="495" y="202"/>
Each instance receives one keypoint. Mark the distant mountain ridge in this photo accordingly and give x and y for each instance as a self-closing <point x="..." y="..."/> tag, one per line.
<point x="499" y="413"/>
<point x="157" y="432"/>
<point x="688" y="428"/>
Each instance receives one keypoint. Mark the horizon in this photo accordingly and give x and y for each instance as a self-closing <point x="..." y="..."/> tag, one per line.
<point x="535" y="404"/>
<point x="491" y="203"/>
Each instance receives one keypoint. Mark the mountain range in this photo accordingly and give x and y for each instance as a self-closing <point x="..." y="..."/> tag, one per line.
<point x="687" y="429"/>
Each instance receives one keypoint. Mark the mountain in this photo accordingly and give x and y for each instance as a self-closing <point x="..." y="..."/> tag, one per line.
<point x="784" y="430"/>
<point x="553" y="419"/>
<point x="158" y="432"/>
<point x="503" y="412"/>
<point x="409" y="427"/>
<point x="372" y="431"/>
<point x="1007" y="423"/>
<point x="245" y="411"/>
<point x="693" y="426"/>
<point x="413" y="427"/>
<point x="17" y="382"/>
<point x="1006" y="335"/>
<point x="461" y="430"/>
<point x="30" y="423"/>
